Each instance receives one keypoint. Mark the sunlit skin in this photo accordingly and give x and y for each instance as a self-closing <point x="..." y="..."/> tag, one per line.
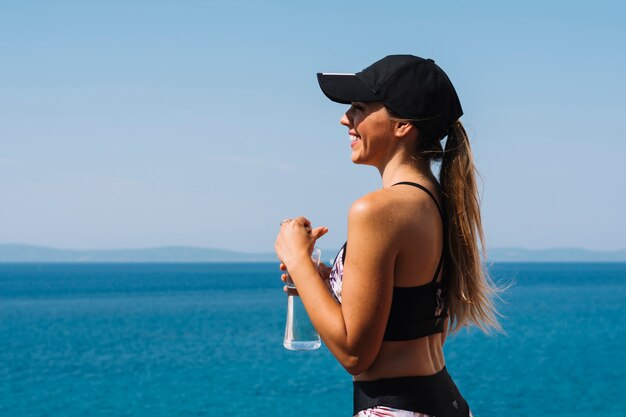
<point x="394" y="239"/>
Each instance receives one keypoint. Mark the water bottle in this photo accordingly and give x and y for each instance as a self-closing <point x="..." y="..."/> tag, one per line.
<point x="299" y="331"/>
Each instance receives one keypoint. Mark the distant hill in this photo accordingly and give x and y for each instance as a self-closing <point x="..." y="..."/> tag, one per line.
<point x="555" y="255"/>
<point x="29" y="254"/>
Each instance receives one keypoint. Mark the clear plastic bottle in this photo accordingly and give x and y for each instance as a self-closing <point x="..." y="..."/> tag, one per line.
<point x="299" y="331"/>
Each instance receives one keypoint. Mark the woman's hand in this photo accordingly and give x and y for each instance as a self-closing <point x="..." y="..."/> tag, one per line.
<point x="295" y="243"/>
<point x="296" y="240"/>
<point x="323" y="269"/>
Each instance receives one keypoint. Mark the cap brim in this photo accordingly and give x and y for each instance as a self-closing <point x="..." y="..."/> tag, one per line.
<point x="345" y="88"/>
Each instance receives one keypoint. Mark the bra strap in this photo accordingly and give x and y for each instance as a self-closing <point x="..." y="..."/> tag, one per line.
<point x="426" y="190"/>
<point x="443" y="222"/>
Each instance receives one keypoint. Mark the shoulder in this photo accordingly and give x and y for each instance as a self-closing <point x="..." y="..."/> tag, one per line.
<point x="372" y="238"/>
<point x="372" y="208"/>
<point x="373" y="218"/>
<point x="394" y="213"/>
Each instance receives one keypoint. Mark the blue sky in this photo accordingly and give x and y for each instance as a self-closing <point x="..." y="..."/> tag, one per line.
<point x="146" y="123"/>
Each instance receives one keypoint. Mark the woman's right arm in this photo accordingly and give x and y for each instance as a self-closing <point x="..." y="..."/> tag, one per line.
<point x="353" y="330"/>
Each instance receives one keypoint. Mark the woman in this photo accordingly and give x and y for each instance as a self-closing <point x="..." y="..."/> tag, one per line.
<point x="411" y="269"/>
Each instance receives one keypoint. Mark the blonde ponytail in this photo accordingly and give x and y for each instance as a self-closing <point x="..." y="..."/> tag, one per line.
<point x="472" y="292"/>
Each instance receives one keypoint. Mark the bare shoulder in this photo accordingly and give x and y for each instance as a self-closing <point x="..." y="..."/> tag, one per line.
<point x="373" y="219"/>
<point x="372" y="233"/>
<point x="396" y="212"/>
<point x="373" y="208"/>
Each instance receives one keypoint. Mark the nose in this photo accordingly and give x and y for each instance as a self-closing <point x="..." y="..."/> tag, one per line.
<point x="345" y="119"/>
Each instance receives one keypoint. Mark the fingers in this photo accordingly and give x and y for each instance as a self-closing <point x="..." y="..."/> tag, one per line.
<point x="319" y="232"/>
<point x="298" y="221"/>
<point x="290" y="291"/>
<point x="324" y="271"/>
<point x="303" y="221"/>
<point x="282" y="267"/>
<point x="306" y="223"/>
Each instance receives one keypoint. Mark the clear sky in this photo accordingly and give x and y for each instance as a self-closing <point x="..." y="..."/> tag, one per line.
<point x="145" y="123"/>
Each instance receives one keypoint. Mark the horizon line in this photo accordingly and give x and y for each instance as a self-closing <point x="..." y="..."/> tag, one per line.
<point x="188" y="246"/>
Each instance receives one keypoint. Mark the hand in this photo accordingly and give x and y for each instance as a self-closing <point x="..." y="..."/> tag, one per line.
<point x="324" y="271"/>
<point x="296" y="240"/>
<point x="283" y="277"/>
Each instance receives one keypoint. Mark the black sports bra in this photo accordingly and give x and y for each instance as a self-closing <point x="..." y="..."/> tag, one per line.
<point x="415" y="311"/>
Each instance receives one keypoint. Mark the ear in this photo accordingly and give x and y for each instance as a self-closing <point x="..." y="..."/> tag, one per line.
<point x="403" y="130"/>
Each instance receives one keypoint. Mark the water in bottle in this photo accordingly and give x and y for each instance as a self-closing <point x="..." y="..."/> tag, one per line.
<point x="299" y="331"/>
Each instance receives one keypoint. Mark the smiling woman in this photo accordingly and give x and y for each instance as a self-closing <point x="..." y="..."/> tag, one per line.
<point x="372" y="120"/>
<point x="411" y="269"/>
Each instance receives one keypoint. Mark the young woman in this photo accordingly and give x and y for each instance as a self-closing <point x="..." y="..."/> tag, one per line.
<point x="411" y="268"/>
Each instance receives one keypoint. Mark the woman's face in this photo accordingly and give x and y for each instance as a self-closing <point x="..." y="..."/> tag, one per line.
<point x="370" y="131"/>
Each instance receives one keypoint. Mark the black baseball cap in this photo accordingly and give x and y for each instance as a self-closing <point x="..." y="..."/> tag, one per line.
<point x="412" y="87"/>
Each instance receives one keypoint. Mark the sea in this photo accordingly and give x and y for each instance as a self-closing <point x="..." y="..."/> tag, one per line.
<point x="206" y="339"/>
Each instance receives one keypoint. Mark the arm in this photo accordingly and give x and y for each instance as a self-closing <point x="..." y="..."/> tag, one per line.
<point x="353" y="330"/>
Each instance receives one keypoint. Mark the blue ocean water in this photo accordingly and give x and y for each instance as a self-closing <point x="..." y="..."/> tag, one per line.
<point x="202" y="339"/>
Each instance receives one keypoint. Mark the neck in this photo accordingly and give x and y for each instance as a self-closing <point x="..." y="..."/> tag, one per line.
<point x="403" y="168"/>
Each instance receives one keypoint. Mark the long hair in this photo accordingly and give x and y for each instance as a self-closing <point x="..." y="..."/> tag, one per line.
<point x="472" y="293"/>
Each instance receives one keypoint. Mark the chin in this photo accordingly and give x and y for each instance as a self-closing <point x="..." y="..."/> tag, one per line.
<point x="358" y="161"/>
